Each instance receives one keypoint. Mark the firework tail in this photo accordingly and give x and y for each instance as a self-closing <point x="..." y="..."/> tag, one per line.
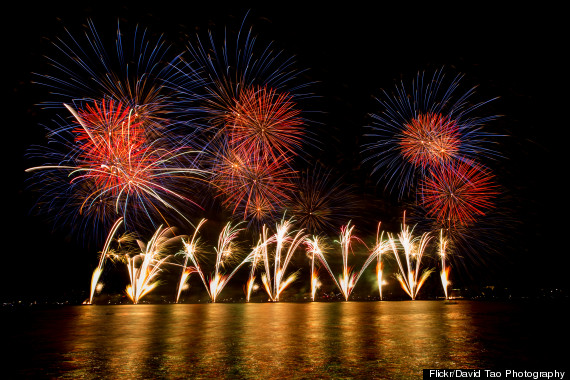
<point x="315" y="250"/>
<point x="413" y="252"/>
<point x="346" y="280"/>
<point x="219" y="281"/>
<point x="379" y="276"/>
<point x="376" y="253"/>
<point x="190" y="253"/>
<point x="381" y="246"/>
<point x="444" y="275"/>
<point x="223" y="251"/>
<point x="143" y="277"/>
<point x="349" y="279"/>
<point x="97" y="272"/>
<point x="257" y="255"/>
<point x="274" y="286"/>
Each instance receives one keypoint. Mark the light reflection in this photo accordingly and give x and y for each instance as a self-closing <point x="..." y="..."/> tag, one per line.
<point x="387" y="339"/>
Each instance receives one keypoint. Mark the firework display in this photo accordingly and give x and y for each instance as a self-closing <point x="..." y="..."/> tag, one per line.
<point x="149" y="141"/>
<point x="381" y="246"/>
<point x="272" y="256"/>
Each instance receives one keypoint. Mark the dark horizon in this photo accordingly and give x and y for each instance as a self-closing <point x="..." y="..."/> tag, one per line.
<point x="352" y="54"/>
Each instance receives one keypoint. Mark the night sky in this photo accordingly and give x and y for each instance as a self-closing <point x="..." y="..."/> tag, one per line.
<point x="352" y="52"/>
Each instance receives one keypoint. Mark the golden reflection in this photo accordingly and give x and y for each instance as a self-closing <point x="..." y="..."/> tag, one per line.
<point x="268" y="340"/>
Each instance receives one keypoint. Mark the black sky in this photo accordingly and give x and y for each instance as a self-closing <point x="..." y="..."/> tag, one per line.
<point x="353" y="51"/>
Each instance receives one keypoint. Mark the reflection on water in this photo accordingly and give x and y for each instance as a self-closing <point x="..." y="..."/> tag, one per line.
<point x="281" y="340"/>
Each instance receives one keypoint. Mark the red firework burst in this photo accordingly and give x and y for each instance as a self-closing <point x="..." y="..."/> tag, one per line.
<point x="264" y="121"/>
<point x="251" y="184"/>
<point x="116" y="159"/>
<point x="113" y="149"/>
<point x="429" y="140"/>
<point x="456" y="194"/>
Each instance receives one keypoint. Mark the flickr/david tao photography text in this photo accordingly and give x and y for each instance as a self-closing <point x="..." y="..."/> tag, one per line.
<point x="491" y="374"/>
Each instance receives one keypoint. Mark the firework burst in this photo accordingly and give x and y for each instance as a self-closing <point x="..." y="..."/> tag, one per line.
<point x="428" y="126"/>
<point x="263" y="121"/>
<point x="430" y="140"/>
<point x="135" y="74"/>
<point x="251" y="186"/>
<point x="321" y="204"/>
<point x="458" y="193"/>
<point x="245" y="99"/>
<point x="111" y="167"/>
<point x="252" y="123"/>
<point x="232" y="72"/>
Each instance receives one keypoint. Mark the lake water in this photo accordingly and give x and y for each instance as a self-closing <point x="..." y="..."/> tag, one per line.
<point x="390" y="339"/>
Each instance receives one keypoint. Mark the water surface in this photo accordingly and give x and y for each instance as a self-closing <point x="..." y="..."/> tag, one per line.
<point x="280" y="340"/>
